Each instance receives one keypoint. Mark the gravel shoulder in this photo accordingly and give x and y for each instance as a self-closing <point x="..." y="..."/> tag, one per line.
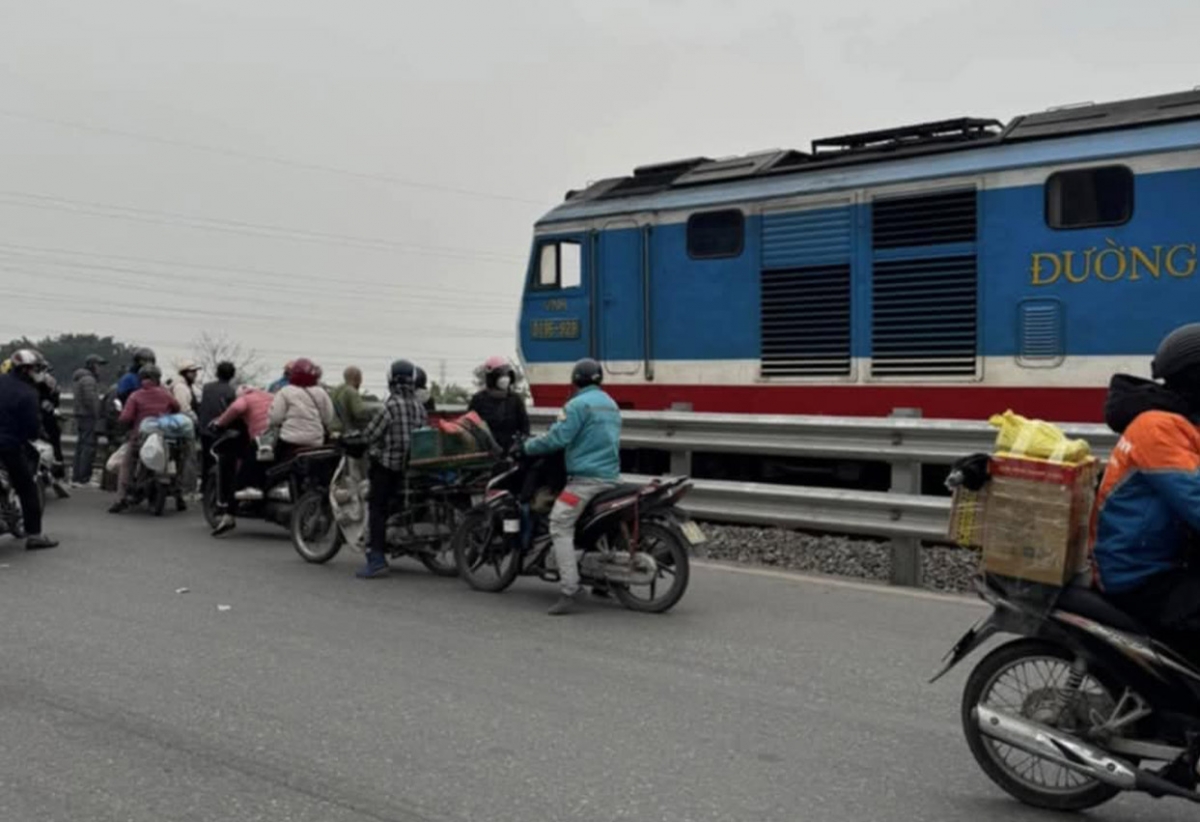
<point x="945" y="569"/>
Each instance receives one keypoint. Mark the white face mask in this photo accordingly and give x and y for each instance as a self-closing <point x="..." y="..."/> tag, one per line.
<point x="503" y="383"/>
<point x="422" y="395"/>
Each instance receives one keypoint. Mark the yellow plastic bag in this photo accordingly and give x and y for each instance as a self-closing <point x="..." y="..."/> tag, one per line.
<point x="1037" y="439"/>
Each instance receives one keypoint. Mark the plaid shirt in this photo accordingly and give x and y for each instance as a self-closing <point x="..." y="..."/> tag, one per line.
<point x="390" y="431"/>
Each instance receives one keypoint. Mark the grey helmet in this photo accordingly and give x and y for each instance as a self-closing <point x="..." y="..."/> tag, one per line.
<point x="587" y="372"/>
<point x="1178" y="352"/>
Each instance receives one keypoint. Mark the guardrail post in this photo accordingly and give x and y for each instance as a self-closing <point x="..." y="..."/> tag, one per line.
<point x="681" y="461"/>
<point x="906" y="551"/>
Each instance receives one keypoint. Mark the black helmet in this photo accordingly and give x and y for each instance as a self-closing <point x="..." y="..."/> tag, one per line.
<point x="402" y="373"/>
<point x="1178" y="352"/>
<point x="150" y="372"/>
<point x="587" y="372"/>
<point x="143" y="356"/>
<point x="421" y="379"/>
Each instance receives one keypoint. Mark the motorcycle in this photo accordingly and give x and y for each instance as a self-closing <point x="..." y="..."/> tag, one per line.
<point x="1077" y="708"/>
<point x="429" y="509"/>
<point x="286" y="482"/>
<point x="41" y="456"/>
<point x="628" y="539"/>
<point x="49" y="473"/>
<point x="155" y="487"/>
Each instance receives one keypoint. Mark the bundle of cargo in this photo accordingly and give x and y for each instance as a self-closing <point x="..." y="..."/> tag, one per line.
<point x="465" y="440"/>
<point x="1028" y="504"/>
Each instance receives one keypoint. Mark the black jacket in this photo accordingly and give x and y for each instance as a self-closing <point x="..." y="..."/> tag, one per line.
<point x="504" y="414"/>
<point x="214" y="399"/>
<point x="20" y="412"/>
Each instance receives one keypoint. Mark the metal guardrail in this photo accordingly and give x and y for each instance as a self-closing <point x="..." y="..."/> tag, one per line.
<point x="904" y="441"/>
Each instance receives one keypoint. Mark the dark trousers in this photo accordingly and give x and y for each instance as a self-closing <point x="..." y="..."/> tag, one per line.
<point x="207" y="461"/>
<point x="385" y="484"/>
<point x="53" y="435"/>
<point x="1169" y="605"/>
<point x="20" y="474"/>
<point x="85" y="449"/>
<point x="237" y="467"/>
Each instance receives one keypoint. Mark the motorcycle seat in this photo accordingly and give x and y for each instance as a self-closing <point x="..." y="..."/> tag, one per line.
<point x="622" y="490"/>
<point x="1090" y="603"/>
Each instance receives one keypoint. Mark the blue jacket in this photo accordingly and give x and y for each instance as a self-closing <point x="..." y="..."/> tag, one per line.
<point x="20" y="412"/>
<point x="589" y="430"/>
<point x="1149" y="503"/>
<point x="128" y="383"/>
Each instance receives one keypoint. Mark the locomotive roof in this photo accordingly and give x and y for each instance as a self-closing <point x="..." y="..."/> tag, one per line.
<point x="873" y="147"/>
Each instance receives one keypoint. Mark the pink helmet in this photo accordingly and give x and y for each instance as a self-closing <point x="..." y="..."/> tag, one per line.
<point x="496" y="363"/>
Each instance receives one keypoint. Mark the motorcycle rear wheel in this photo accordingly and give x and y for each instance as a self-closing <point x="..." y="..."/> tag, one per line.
<point x="480" y="543"/>
<point x="670" y="552"/>
<point x="315" y="532"/>
<point x="1003" y="764"/>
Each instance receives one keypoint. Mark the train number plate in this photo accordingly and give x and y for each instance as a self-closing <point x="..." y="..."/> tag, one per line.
<point x="693" y="533"/>
<point x="566" y="328"/>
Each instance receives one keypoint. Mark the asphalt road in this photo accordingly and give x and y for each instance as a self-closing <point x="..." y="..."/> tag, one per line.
<point x="319" y="697"/>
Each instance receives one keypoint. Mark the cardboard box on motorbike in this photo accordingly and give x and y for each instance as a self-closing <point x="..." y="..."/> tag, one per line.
<point x="1032" y="518"/>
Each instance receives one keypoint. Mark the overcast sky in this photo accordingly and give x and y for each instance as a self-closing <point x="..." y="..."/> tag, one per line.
<point x="356" y="181"/>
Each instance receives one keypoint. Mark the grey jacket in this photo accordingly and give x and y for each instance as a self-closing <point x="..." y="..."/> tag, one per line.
<point x="87" y="395"/>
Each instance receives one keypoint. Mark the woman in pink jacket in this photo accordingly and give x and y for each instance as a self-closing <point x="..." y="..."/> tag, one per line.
<point x="250" y="414"/>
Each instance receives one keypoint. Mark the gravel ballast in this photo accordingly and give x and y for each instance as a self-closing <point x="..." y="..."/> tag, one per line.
<point x="944" y="569"/>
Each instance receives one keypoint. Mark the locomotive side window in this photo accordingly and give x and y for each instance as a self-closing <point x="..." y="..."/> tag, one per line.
<point x="560" y="266"/>
<point x="715" y="234"/>
<point x="1089" y="197"/>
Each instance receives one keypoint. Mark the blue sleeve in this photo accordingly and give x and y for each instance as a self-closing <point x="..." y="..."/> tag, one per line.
<point x="1180" y="490"/>
<point x="561" y="434"/>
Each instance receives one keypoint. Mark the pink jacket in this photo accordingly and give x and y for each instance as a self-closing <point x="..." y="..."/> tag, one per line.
<point x="252" y="405"/>
<point x="148" y="401"/>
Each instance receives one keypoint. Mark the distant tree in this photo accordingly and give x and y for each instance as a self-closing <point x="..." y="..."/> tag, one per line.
<point x="209" y="349"/>
<point x="67" y="352"/>
<point x="449" y="394"/>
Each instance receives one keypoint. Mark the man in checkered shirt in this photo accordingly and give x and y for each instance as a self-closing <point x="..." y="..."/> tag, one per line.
<point x="389" y="435"/>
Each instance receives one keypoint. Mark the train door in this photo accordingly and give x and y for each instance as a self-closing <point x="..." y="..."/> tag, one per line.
<point x="621" y="293"/>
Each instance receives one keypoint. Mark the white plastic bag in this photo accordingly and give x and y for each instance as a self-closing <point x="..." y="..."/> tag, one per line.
<point x="154" y="453"/>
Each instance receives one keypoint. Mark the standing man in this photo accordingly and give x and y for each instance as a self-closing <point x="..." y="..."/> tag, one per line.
<point x="390" y="436"/>
<point x="187" y="394"/>
<point x="589" y="431"/>
<point x="348" y="403"/>
<point x="19" y="425"/>
<point x="215" y="397"/>
<point x="87" y="417"/>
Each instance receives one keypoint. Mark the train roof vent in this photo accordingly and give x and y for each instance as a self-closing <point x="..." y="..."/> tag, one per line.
<point x="1078" y="119"/>
<point x="729" y="168"/>
<point x="961" y="130"/>
<point x="651" y="178"/>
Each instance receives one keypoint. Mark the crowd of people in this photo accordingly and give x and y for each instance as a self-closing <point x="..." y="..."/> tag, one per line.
<point x="294" y="412"/>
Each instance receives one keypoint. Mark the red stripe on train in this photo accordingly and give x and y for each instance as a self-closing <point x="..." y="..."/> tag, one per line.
<point x="942" y="401"/>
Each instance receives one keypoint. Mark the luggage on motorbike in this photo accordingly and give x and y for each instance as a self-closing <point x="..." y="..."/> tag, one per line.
<point x="465" y="439"/>
<point x="153" y="452"/>
<point x="177" y="427"/>
<point x="1037" y="439"/>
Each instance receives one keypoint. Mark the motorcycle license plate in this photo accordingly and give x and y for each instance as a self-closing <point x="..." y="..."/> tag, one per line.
<point x="693" y="533"/>
<point x="512" y="526"/>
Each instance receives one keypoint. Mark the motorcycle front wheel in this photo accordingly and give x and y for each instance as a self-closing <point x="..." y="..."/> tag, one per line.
<point x="487" y="558"/>
<point x="315" y="532"/>
<point x="670" y="581"/>
<point x="1027" y="678"/>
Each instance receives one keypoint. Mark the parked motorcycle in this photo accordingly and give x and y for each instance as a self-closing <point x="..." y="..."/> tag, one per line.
<point x="1081" y="705"/>
<point x="428" y="510"/>
<point x="632" y="539"/>
<point x="286" y="482"/>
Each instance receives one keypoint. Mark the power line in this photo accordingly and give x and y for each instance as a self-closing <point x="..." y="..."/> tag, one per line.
<point x="163" y="217"/>
<point x="324" y="280"/>
<point x="265" y="158"/>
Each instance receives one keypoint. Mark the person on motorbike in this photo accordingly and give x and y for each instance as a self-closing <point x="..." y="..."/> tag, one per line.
<point x="499" y="405"/>
<point x="1148" y="508"/>
<point x="389" y="436"/>
<point x="250" y="415"/>
<point x="131" y="380"/>
<point x="51" y="399"/>
<point x="148" y="402"/>
<point x="215" y="397"/>
<point x="19" y="425"/>
<point x="588" y="429"/>
<point x="284" y="379"/>
<point x="302" y="411"/>
<point x="352" y="412"/>
<point x="421" y="390"/>
<point x="187" y="394"/>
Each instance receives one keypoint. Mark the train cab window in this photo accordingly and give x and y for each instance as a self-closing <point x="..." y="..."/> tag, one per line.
<point x="1089" y="197"/>
<point x="713" y="234"/>
<point x="560" y="266"/>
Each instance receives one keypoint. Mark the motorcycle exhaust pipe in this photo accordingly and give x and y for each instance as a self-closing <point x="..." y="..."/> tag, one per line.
<point x="1073" y="754"/>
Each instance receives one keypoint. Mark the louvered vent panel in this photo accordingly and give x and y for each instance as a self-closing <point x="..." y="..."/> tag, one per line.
<point x="1041" y="327"/>
<point x="930" y="219"/>
<point x="806" y="322"/>
<point x="806" y="238"/>
<point x="924" y="318"/>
